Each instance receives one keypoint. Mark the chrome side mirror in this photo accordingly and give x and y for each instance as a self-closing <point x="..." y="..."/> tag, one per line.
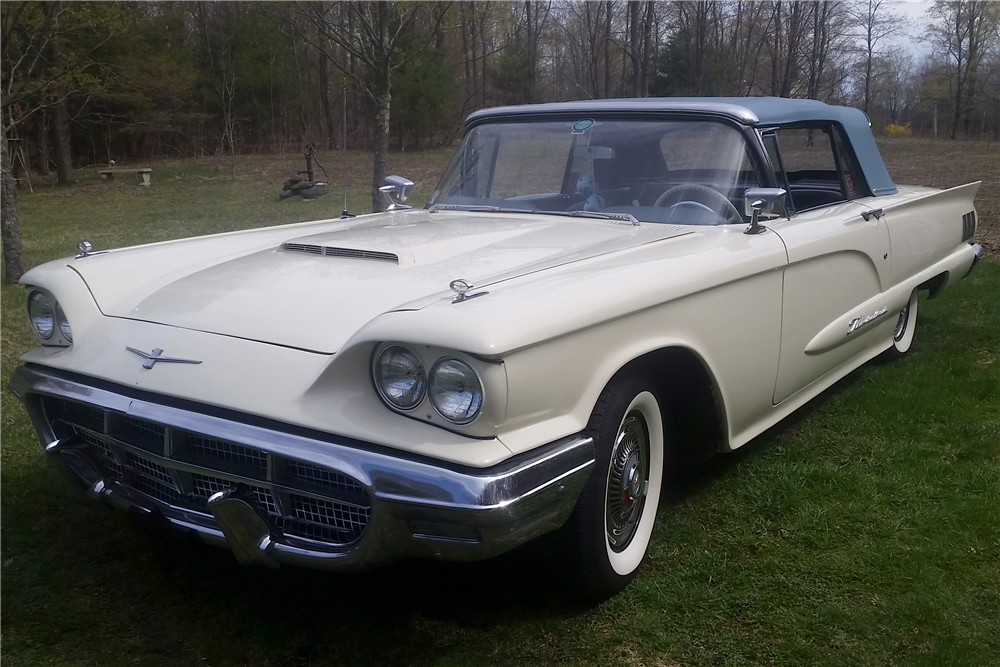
<point x="767" y="202"/>
<point x="396" y="188"/>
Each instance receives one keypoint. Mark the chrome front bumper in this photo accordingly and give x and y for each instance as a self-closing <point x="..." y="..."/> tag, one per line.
<point x="403" y="506"/>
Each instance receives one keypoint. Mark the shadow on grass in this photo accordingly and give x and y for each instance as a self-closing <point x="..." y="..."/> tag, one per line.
<point x="693" y="480"/>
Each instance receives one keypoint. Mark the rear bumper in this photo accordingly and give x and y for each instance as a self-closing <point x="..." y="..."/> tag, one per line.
<point x="397" y="506"/>
<point x="977" y="255"/>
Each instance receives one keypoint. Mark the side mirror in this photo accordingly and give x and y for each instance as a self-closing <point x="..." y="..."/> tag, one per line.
<point x="396" y="188"/>
<point x="767" y="202"/>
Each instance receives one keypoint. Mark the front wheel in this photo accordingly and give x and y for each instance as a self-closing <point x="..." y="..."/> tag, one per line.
<point x="610" y="528"/>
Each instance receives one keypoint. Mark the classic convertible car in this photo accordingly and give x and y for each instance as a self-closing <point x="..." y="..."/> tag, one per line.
<point x="596" y="293"/>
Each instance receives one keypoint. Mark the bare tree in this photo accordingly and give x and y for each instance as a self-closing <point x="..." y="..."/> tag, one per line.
<point x="874" y="24"/>
<point x="960" y="33"/>
<point x="373" y="39"/>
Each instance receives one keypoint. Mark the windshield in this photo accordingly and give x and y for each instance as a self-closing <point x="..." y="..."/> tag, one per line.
<point x="679" y="171"/>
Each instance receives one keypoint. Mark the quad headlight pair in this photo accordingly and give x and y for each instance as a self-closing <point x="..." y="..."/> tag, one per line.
<point x="48" y="320"/>
<point x="452" y="386"/>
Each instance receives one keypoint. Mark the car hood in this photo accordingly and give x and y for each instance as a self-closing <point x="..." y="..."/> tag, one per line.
<point x="315" y="285"/>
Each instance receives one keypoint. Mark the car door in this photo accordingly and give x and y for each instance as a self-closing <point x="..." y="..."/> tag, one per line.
<point x="838" y="258"/>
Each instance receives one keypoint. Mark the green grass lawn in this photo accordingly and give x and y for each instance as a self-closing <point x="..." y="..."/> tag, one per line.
<point x="864" y="531"/>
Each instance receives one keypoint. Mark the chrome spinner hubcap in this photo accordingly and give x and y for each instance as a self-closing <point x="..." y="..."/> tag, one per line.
<point x="628" y="481"/>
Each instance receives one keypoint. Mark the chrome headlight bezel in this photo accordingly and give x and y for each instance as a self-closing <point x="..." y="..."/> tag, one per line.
<point x="37" y="299"/>
<point x="58" y="333"/>
<point x="378" y="380"/>
<point x="478" y="392"/>
<point x="484" y="422"/>
<point x="65" y="330"/>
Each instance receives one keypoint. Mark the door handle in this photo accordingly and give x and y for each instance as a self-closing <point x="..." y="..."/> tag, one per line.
<point x="875" y="212"/>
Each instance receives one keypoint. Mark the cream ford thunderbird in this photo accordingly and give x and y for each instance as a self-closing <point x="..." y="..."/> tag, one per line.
<point x="596" y="293"/>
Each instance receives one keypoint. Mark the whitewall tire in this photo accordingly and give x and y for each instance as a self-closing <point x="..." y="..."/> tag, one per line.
<point x="610" y="529"/>
<point x="906" y="325"/>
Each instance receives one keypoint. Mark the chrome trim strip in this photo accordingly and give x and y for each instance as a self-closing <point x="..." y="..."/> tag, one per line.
<point x="507" y="504"/>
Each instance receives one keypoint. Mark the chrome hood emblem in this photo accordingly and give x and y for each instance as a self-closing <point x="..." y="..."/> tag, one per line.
<point x="152" y="357"/>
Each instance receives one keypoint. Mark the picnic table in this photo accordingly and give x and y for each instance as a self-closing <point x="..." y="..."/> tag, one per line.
<point x="108" y="175"/>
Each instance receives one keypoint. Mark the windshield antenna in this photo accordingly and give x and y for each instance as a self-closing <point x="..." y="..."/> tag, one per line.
<point x="343" y="152"/>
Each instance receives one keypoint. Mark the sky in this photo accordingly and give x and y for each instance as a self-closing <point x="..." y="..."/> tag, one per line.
<point x="915" y="11"/>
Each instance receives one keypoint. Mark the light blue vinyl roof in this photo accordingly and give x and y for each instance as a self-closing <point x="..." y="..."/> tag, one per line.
<point x="753" y="111"/>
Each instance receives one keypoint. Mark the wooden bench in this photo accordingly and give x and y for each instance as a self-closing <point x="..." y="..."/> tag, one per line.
<point x="108" y="175"/>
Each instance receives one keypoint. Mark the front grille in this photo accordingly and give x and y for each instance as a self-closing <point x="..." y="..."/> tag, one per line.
<point x="152" y="487"/>
<point x="72" y="412"/>
<point x="325" y="520"/>
<point x="106" y="456"/>
<point x="149" y="469"/>
<point x="308" y="476"/>
<point x="205" y="487"/>
<point x="139" y="432"/>
<point x="305" y="500"/>
<point x="222" y="455"/>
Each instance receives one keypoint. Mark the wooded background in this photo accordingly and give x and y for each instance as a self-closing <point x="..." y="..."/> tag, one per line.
<point x="86" y="83"/>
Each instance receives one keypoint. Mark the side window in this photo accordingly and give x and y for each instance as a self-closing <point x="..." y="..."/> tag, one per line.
<point x="811" y="168"/>
<point x="850" y="170"/>
<point x="771" y="146"/>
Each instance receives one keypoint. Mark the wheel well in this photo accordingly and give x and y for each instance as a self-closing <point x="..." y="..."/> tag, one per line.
<point x="935" y="284"/>
<point x="692" y="415"/>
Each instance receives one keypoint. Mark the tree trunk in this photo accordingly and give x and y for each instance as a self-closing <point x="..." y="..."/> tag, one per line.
<point x="647" y="43"/>
<point x="382" y="101"/>
<point x="324" y="98"/>
<point x="61" y="144"/>
<point x="530" y="93"/>
<point x="14" y="264"/>
<point x="42" y="137"/>
<point x="607" y="49"/>
<point x="60" y="126"/>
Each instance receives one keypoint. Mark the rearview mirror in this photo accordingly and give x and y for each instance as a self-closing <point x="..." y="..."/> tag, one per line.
<point x="594" y="152"/>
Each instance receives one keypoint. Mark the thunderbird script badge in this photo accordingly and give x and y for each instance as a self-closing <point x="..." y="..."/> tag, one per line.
<point x="155" y="356"/>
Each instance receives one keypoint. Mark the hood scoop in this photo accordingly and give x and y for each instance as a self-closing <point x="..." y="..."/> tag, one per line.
<point x="350" y="253"/>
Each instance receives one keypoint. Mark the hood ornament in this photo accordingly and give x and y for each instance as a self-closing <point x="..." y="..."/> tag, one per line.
<point x="152" y="358"/>
<point x="461" y="288"/>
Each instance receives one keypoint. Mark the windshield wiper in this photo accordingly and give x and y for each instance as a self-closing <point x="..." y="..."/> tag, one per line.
<point x="596" y="215"/>
<point x="479" y="208"/>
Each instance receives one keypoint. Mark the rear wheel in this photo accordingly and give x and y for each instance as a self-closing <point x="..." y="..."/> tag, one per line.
<point x="906" y="324"/>
<point x="610" y="528"/>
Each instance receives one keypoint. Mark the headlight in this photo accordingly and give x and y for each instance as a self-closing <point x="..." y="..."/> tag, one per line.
<point x="64" y="329"/>
<point x="399" y="377"/>
<point x="41" y="313"/>
<point x="455" y="391"/>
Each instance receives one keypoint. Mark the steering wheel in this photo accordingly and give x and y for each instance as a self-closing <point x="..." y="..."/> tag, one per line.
<point x="702" y="196"/>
